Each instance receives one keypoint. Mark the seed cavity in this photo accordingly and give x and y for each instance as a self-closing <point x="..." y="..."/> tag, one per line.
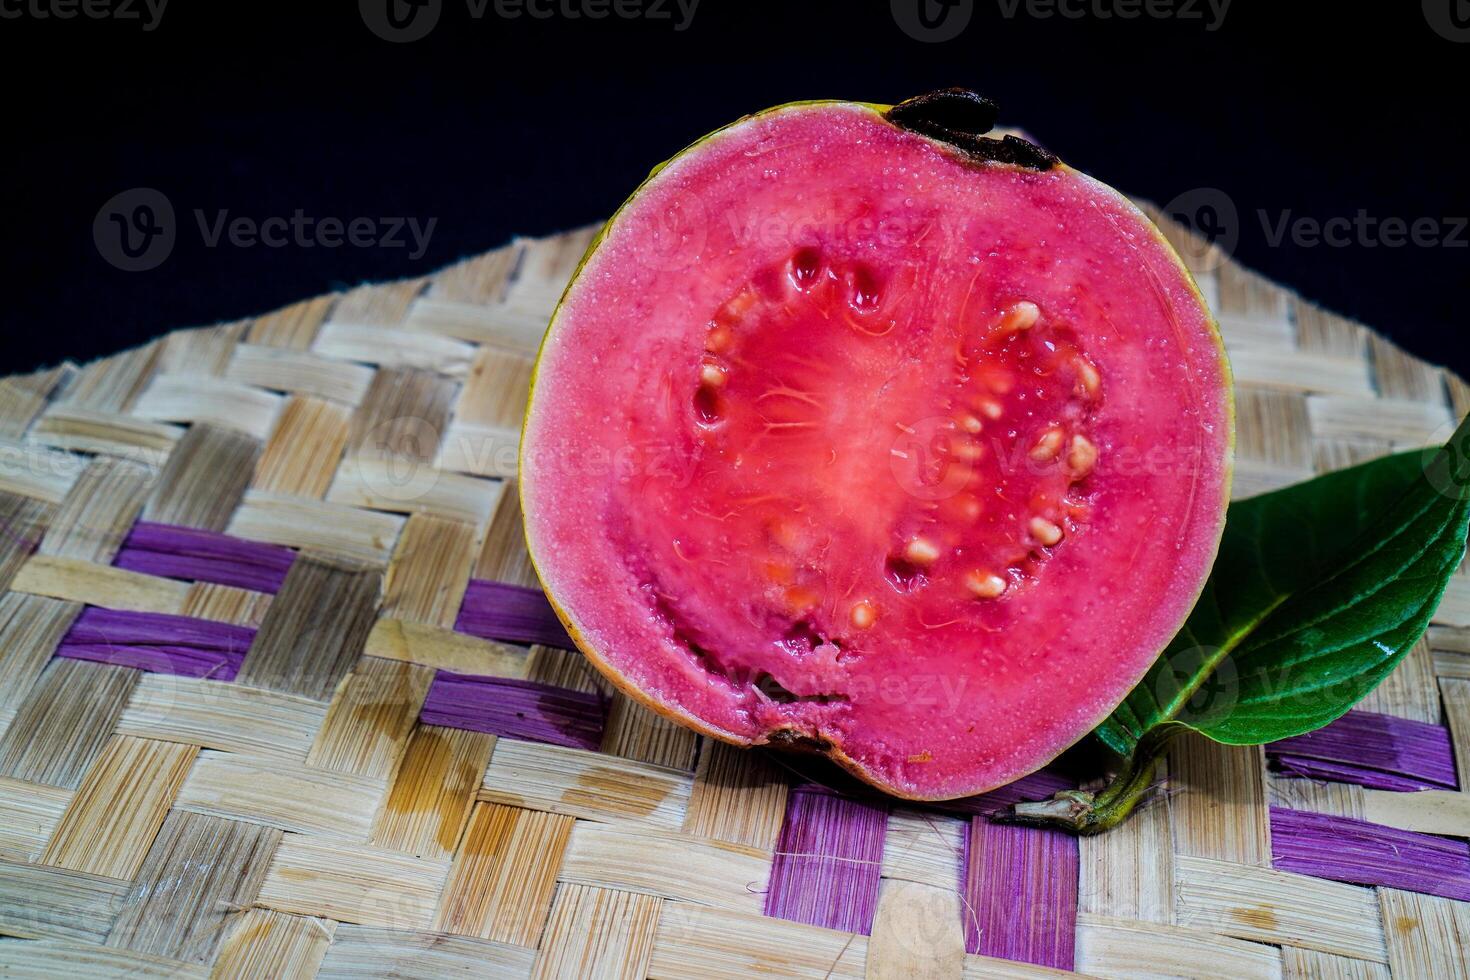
<point x="1081" y="456"/>
<point x="708" y="407"/>
<point x="866" y="292"/>
<point x="1045" y="531"/>
<point x="806" y="265"/>
<point x="985" y="585"/>
<point x="1047" y="446"/>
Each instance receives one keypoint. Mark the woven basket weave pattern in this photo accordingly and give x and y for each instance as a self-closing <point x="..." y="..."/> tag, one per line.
<point x="278" y="697"/>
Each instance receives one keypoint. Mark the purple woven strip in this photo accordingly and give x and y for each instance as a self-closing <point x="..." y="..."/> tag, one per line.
<point x="512" y="613"/>
<point x="1373" y="750"/>
<point x="516" y="709"/>
<point x="204" y="556"/>
<point x="158" y="643"/>
<point x="1020" y="893"/>
<point x="828" y="861"/>
<point x="1361" y="853"/>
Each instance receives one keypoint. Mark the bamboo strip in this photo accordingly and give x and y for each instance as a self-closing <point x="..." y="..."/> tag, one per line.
<point x="430" y="570"/>
<point x="670" y="865"/>
<point x="100" y="585"/>
<point x="390" y="347"/>
<point x="57" y="959"/>
<point x="599" y="933"/>
<point x="1328" y="333"/>
<point x="37" y="472"/>
<point x="23" y="397"/>
<point x="916" y="933"/>
<point x="303" y="450"/>
<point x="1454" y="607"/>
<point x="1128" y="872"/>
<point x="979" y="967"/>
<point x="385" y="302"/>
<point x="1280" y="908"/>
<point x="1409" y="691"/>
<point x="738" y="797"/>
<point x="1306" y="964"/>
<point x="119" y="807"/>
<point x="503" y="556"/>
<point x="23" y="522"/>
<point x="431" y="796"/>
<point x="1122" y="948"/>
<point x="1432" y="812"/>
<point x="925" y="847"/>
<point x="111" y="384"/>
<point x="226" y="717"/>
<point x="585" y="785"/>
<point x="634" y="732"/>
<point x="204" y="479"/>
<point x="1337" y="799"/>
<point x="360" y="951"/>
<point x="64" y="722"/>
<point x="393" y="639"/>
<point x="697" y="942"/>
<point x="1401" y="375"/>
<point x="1426" y="936"/>
<point x="502" y="881"/>
<point x="300" y="372"/>
<point x="555" y="667"/>
<point x="1300" y="371"/>
<point x="353" y="883"/>
<point x="404" y="414"/>
<point x="510" y="328"/>
<point x="102" y="505"/>
<point x="1402" y="423"/>
<point x="225" y="604"/>
<point x="315" y="629"/>
<point x="479" y="279"/>
<point x="202" y="351"/>
<point x="484" y="437"/>
<point x="213" y="401"/>
<point x="411" y="487"/>
<point x="281" y="794"/>
<point x="29" y="813"/>
<point x="368" y="723"/>
<point x="31" y="627"/>
<point x="1220" y="808"/>
<point x="317" y="525"/>
<point x="271" y="945"/>
<point x="86" y="431"/>
<point x="1456" y="692"/>
<point x="1272" y="426"/>
<point x="37" y="902"/>
<point x="291" y="327"/>
<point x="199" y="871"/>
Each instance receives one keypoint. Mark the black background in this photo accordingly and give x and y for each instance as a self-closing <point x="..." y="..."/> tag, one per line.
<point x="497" y="126"/>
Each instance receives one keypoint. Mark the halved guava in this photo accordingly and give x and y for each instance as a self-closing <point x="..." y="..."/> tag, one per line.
<point x="861" y="432"/>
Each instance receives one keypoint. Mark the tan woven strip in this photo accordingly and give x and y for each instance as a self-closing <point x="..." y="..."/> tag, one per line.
<point x="225" y="604"/>
<point x="585" y="784"/>
<point x="98" y="512"/>
<point x="266" y="944"/>
<point x="29" y="813"/>
<point x="37" y="902"/>
<point x="634" y="732"/>
<point x="223" y="404"/>
<point x="66" y="959"/>
<point x="31" y="627"/>
<point x="315" y="629"/>
<point x="204" y="479"/>
<point x="316" y="525"/>
<point x="204" y="351"/>
<point x="293" y="326"/>
<point x="1220" y="808"/>
<point x="1456" y="693"/>
<point x="697" y="942"/>
<point x="302" y="453"/>
<point x="227" y="717"/>
<point x="282" y="794"/>
<point x="88" y="430"/>
<point x="565" y="668"/>
<point x="433" y="792"/>
<point x="1429" y="812"/>
<point x="1129" y="871"/>
<point x="1111" y="947"/>
<point x="479" y="279"/>
<point x="404" y="414"/>
<point x="737" y="797"/>
<point x="596" y="932"/>
<point x="22" y="398"/>
<point x="1337" y="799"/>
<point x="503" y="877"/>
<point x="510" y="328"/>
<point x="1306" y="964"/>
<point x="199" y="872"/>
<point x="23" y="522"/>
<point x="353" y="883"/>
<point x="486" y="432"/>
<point x="301" y="373"/>
<point x="1426" y="936"/>
<point x="64" y="722"/>
<point x="408" y="486"/>
<point x="369" y="721"/>
<point x="669" y="864"/>
<point x="924" y="846"/>
<point x="445" y="649"/>
<point x="31" y="471"/>
<point x="111" y="385"/>
<point x="100" y="585"/>
<point x="430" y="571"/>
<point x="917" y="932"/>
<point x="359" y="951"/>
<point x="385" y="302"/>
<point x="119" y="807"/>
<point x="393" y="347"/>
<point x="503" y="557"/>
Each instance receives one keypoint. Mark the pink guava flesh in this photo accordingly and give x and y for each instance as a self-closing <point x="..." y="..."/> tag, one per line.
<point x="843" y="438"/>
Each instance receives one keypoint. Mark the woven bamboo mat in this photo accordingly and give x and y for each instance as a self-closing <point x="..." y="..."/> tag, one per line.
<point x="278" y="697"/>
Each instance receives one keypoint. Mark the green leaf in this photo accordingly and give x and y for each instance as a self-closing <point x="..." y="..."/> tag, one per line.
<point x="1317" y="593"/>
